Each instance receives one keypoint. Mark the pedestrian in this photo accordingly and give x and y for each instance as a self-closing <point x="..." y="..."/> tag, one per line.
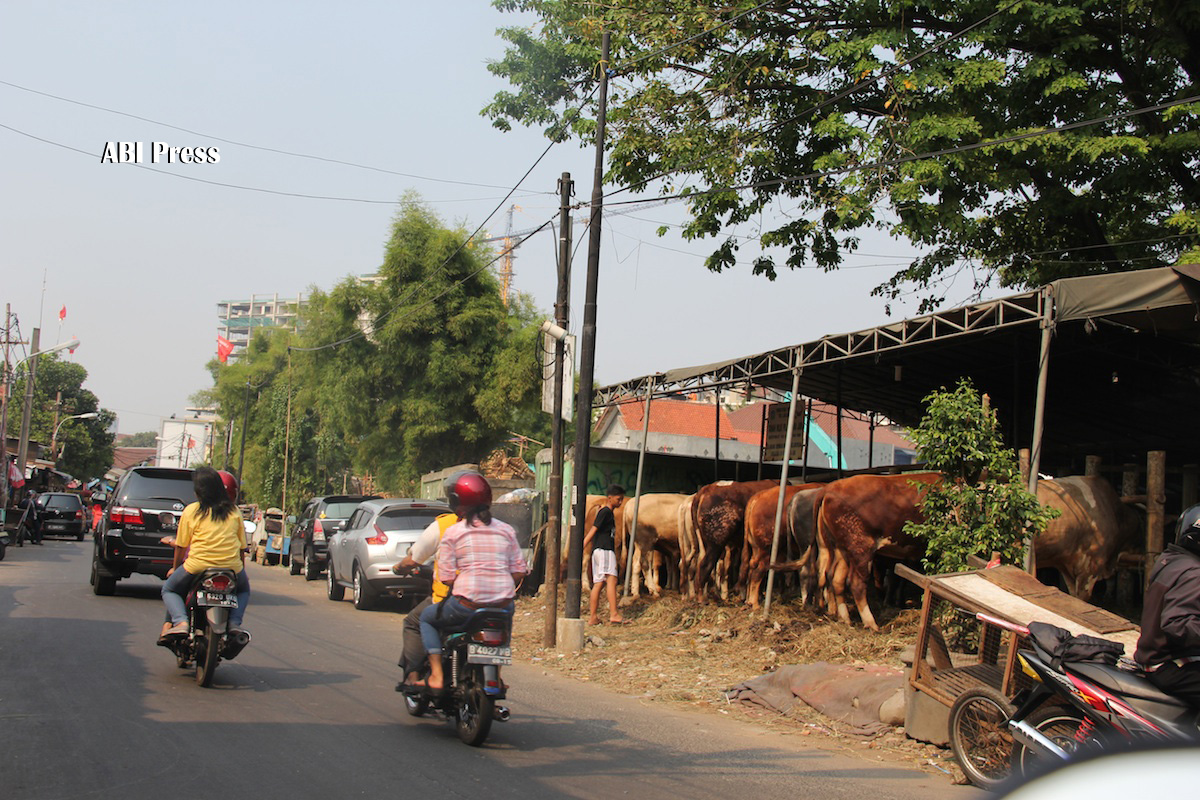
<point x="602" y="536"/>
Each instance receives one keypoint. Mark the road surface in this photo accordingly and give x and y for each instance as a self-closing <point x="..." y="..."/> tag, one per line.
<point x="91" y="707"/>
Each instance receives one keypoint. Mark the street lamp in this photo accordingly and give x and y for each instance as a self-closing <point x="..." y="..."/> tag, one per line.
<point x="54" y="437"/>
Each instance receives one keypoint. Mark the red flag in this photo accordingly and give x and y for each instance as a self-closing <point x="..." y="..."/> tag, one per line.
<point x="191" y="443"/>
<point x="15" y="478"/>
<point x="224" y="348"/>
<point x="71" y="351"/>
<point x="62" y="313"/>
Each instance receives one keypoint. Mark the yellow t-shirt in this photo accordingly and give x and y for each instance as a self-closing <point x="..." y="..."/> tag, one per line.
<point x="213" y="543"/>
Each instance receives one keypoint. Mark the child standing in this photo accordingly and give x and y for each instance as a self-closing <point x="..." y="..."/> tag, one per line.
<point x="602" y="536"/>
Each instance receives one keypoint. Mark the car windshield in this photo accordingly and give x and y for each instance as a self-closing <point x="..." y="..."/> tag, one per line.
<point x="340" y="510"/>
<point x="159" y="484"/>
<point x="65" y="501"/>
<point x="406" y="519"/>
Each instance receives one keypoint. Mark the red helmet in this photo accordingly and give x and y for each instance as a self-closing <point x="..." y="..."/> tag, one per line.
<point x="467" y="489"/>
<point x="231" y="484"/>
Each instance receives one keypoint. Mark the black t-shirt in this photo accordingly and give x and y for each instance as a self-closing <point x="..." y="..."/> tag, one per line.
<point x="605" y="525"/>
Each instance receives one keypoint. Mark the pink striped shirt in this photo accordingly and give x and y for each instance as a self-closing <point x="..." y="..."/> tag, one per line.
<point x="481" y="561"/>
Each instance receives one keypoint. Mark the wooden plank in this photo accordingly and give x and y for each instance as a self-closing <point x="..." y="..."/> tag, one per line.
<point x="1027" y="587"/>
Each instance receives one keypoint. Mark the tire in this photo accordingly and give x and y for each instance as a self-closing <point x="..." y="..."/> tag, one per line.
<point x="979" y="735"/>
<point x="208" y="653"/>
<point x="102" y="585"/>
<point x="3" y="550"/>
<point x="294" y="566"/>
<point x="364" y="598"/>
<point x="312" y="570"/>
<point x="333" y="590"/>
<point x="474" y="713"/>
<point x="1059" y="724"/>
<point x="79" y="537"/>
<point x="417" y="705"/>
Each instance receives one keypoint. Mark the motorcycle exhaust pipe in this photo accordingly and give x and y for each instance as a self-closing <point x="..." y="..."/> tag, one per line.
<point x="1035" y="740"/>
<point x="500" y="713"/>
<point x="235" y="643"/>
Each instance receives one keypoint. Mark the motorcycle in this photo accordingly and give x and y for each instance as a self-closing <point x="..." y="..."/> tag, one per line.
<point x="472" y="655"/>
<point x="1071" y="707"/>
<point x="208" y="638"/>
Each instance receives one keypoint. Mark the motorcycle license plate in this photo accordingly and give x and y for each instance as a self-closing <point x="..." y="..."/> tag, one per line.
<point x="217" y="599"/>
<point x="488" y="654"/>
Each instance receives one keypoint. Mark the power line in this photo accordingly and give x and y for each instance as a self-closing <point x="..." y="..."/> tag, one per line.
<point x="234" y="185"/>
<point x="255" y="146"/>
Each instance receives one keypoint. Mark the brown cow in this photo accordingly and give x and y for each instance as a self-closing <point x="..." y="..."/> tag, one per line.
<point x="688" y="547"/>
<point x="1084" y="541"/>
<point x="760" y="534"/>
<point x="718" y="513"/>
<point x="657" y="530"/>
<point x="859" y="516"/>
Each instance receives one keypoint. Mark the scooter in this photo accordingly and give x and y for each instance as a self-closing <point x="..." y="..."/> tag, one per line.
<point x="471" y="656"/>
<point x="208" y="638"/>
<point x="1070" y="707"/>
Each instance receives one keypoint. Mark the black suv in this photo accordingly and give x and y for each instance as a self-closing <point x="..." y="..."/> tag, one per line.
<point x="145" y="506"/>
<point x="62" y="514"/>
<point x="321" y="518"/>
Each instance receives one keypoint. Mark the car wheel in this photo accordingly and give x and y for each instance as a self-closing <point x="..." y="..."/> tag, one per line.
<point x="294" y="566"/>
<point x="333" y="589"/>
<point x="79" y="537"/>
<point x="103" y="585"/>
<point x="364" y="598"/>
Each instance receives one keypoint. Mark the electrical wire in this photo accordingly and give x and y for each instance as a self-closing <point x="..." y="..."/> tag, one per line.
<point x="255" y="146"/>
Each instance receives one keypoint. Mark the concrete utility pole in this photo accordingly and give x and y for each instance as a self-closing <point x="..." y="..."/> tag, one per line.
<point x="561" y="318"/>
<point x="23" y="446"/>
<point x="587" y="365"/>
<point x="4" y="387"/>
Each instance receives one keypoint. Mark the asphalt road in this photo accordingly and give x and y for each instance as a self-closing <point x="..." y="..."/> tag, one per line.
<point x="91" y="707"/>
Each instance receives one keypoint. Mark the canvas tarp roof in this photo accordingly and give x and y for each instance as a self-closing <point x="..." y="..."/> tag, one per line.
<point x="1124" y="366"/>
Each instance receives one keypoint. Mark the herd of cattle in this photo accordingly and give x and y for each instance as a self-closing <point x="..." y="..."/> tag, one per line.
<point x="834" y="535"/>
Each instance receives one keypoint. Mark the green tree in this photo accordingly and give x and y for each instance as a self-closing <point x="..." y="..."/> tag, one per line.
<point x="981" y="506"/>
<point x="429" y="369"/>
<point x="85" y="445"/>
<point x="140" y="439"/>
<point x="827" y="109"/>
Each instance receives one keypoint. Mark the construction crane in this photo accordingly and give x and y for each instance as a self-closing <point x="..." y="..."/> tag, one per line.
<point x="506" y="264"/>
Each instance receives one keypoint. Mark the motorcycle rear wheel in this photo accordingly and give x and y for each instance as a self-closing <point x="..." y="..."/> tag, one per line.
<point x="979" y="735"/>
<point x="474" y="714"/>
<point x="208" y="653"/>
<point x="416" y="705"/>
<point x="1059" y="724"/>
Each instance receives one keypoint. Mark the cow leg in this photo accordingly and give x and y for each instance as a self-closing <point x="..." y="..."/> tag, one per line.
<point x="635" y="588"/>
<point x="705" y="565"/>
<point x="837" y="586"/>
<point x="652" y="581"/>
<point x="858" y="588"/>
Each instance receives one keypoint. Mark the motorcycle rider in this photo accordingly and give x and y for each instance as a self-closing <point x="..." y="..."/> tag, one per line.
<point x="210" y="534"/>
<point x="1169" y="646"/>
<point x="480" y="561"/>
<point x="413" y="654"/>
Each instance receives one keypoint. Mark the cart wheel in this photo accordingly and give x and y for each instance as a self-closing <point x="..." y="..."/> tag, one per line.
<point x="979" y="735"/>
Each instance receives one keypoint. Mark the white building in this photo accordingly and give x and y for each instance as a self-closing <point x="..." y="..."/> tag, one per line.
<point x="239" y="318"/>
<point x="187" y="439"/>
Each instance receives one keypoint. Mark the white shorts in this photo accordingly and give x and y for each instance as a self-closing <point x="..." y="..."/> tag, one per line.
<point x="604" y="562"/>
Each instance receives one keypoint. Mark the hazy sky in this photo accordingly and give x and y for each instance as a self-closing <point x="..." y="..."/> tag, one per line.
<point x="141" y="258"/>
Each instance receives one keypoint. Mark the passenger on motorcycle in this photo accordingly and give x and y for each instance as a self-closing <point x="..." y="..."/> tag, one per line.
<point x="412" y="658"/>
<point x="478" y="558"/>
<point x="210" y="534"/>
<point x="1169" y="646"/>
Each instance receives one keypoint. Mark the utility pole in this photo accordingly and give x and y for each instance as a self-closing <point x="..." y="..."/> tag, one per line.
<point x="587" y="355"/>
<point x="561" y="318"/>
<point x="242" y="451"/>
<point x="35" y="340"/>
<point x="4" y="387"/>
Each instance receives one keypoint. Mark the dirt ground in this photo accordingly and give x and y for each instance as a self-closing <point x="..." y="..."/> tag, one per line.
<point x="686" y="654"/>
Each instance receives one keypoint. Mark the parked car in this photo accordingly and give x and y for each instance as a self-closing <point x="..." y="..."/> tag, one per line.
<point x="377" y="535"/>
<point x="62" y="514"/>
<point x="144" y="507"/>
<point x="320" y="519"/>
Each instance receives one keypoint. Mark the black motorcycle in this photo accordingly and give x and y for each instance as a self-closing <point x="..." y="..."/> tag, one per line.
<point x="1081" y="700"/>
<point x="208" y="639"/>
<point x="472" y="655"/>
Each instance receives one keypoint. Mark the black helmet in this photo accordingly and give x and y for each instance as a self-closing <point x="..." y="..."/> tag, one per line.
<point x="467" y="489"/>
<point x="1187" y="532"/>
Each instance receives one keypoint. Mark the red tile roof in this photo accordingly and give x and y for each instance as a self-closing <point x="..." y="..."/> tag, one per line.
<point x="126" y="457"/>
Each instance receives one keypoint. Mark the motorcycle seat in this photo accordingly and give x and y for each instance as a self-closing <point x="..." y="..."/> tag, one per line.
<point x="481" y="616"/>
<point x="1127" y="683"/>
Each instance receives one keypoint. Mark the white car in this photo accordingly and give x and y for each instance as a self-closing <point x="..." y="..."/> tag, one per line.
<point x="377" y="536"/>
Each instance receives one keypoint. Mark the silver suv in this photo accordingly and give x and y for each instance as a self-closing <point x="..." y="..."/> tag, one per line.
<point x="377" y="535"/>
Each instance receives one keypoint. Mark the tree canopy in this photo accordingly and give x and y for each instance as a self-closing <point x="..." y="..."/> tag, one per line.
<point x="429" y="369"/>
<point x="85" y="445"/>
<point x="826" y="116"/>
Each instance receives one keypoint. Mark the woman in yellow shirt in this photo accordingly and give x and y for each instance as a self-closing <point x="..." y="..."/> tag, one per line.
<point x="211" y="534"/>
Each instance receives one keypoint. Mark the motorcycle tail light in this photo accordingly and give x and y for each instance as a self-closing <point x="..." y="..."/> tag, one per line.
<point x="127" y="516"/>
<point x="488" y="636"/>
<point x="379" y="538"/>
<point x="218" y="583"/>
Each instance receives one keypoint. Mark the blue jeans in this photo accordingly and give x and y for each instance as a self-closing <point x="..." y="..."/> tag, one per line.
<point x="452" y="615"/>
<point x="175" y="589"/>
